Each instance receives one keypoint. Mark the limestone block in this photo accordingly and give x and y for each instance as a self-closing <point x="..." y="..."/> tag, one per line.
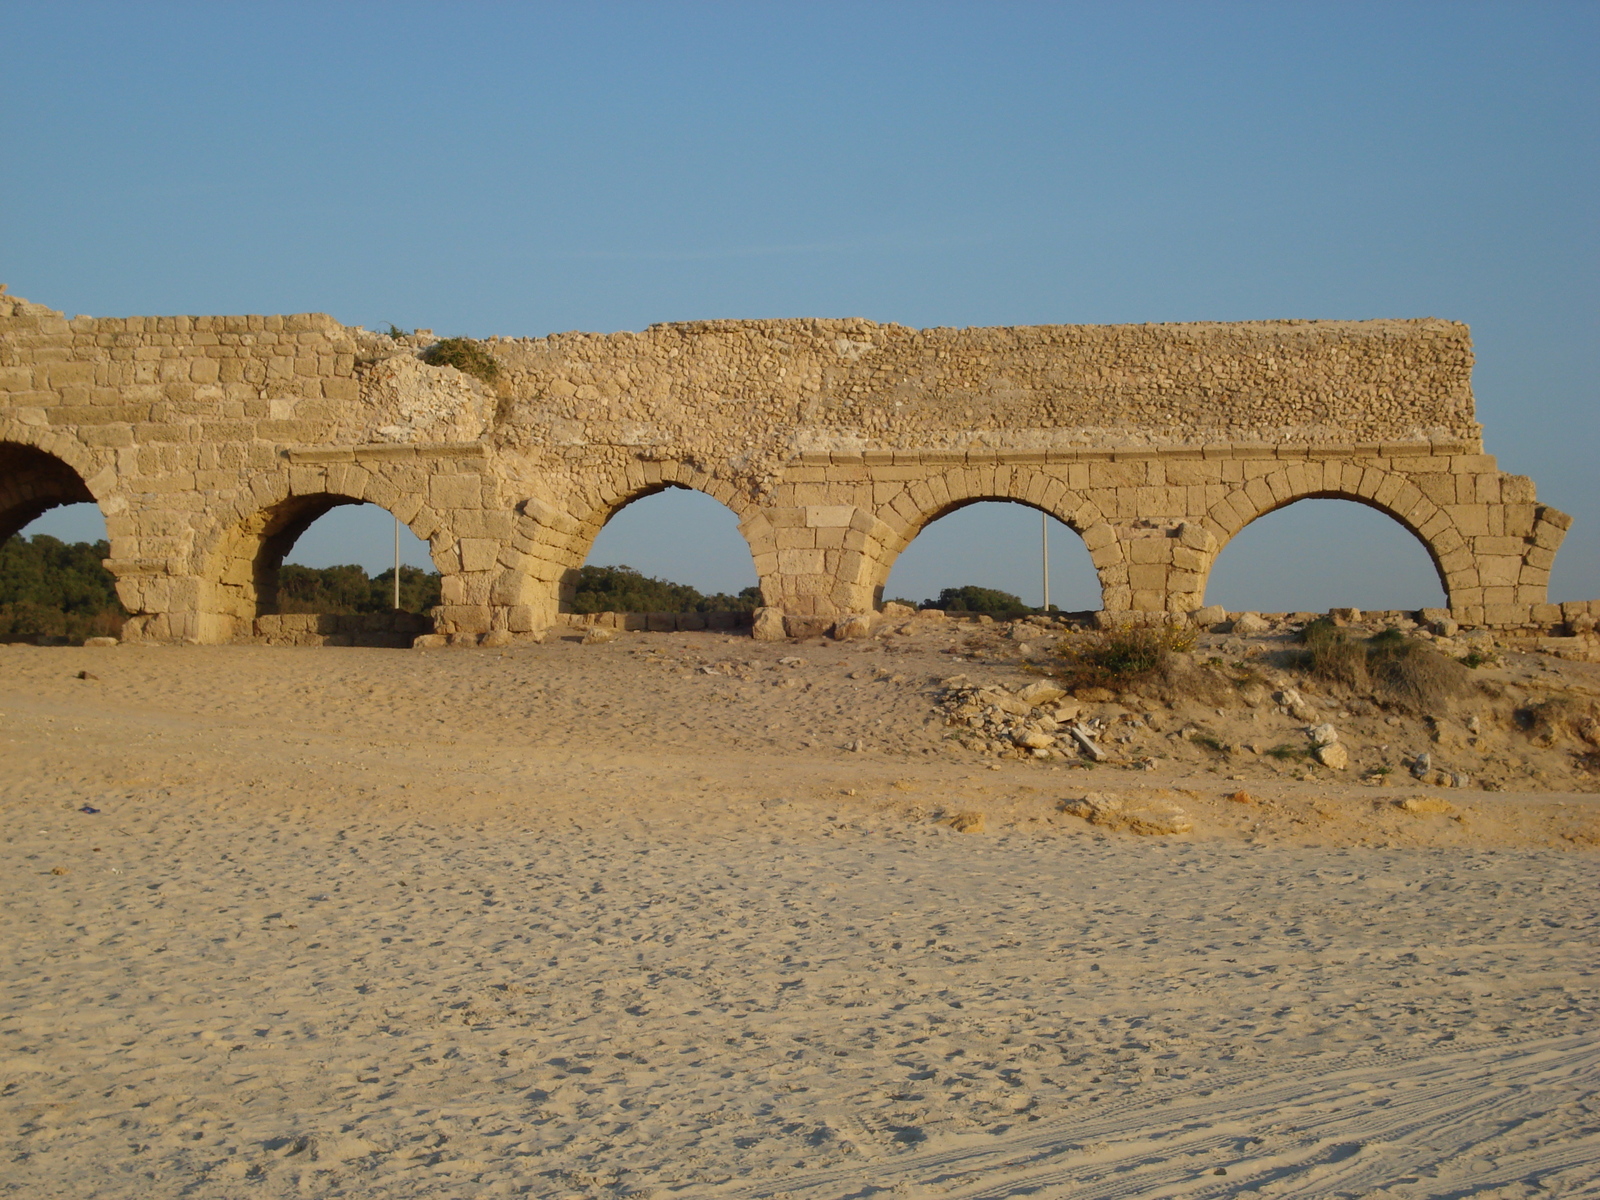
<point x="455" y="491"/>
<point x="852" y="627"/>
<point x="1149" y="550"/>
<point x="1213" y="614"/>
<point x="768" y="625"/>
<point x="798" y="625"/>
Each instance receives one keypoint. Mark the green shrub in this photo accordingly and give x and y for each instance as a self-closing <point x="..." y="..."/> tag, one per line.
<point x="466" y="356"/>
<point x="623" y="589"/>
<point x="52" y="590"/>
<point x="972" y="598"/>
<point x="346" y="589"/>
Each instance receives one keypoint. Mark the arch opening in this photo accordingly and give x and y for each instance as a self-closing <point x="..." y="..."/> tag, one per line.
<point x="1326" y="551"/>
<point x="54" y="586"/>
<point x="329" y="557"/>
<point x="669" y="548"/>
<point x="995" y="545"/>
<point x="32" y="483"/>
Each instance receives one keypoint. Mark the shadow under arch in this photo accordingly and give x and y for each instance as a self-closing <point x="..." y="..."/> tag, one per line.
<point x="32" y="482"/>
<point x="1411" y="512"/>
<point x="583" y="542"/>
<point x="245" y="563"/>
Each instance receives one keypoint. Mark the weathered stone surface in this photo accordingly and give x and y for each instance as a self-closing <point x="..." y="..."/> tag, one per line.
<point x="1249" y="625"/>
<point x="853" y="627"/>
<point x="1425" y="804"/>
<point x="1333" y="755"/>
<point x="798" y="626"/>
<point x="596" y="634"/>
<point x="967" y="822"/>
<point x="100" y="641"/>
<point x="1323" y="735"/>
<point x="210" y="442"/>
<point x="768" y="625"/>
<point x="1148" y="815"/>
<point x="1040" y="693"/>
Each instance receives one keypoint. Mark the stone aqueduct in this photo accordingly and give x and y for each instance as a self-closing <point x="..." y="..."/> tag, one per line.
<point x="211" y="443"/>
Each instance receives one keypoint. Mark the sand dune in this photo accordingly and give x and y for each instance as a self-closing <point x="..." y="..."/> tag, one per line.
<point x="597" y="921"/>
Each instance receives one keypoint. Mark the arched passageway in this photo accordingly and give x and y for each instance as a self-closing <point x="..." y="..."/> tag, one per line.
<point x="53" y="586"/>
<point x="1322" y="552"/>
<point x="256" y="573"/>
<point x="671" y="533"/>
<point x="996" y="545"/>
<point x="32" y="483"/>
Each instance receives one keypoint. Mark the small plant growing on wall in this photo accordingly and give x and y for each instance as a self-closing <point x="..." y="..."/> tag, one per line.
<point x="465" y="355"/>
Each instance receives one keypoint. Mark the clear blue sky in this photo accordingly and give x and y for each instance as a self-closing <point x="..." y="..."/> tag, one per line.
<point x="524" y="168"/>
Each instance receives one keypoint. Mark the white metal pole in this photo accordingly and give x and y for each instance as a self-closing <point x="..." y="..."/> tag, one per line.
<point x="397" y="562"/>
<point x="1044" y="546"/>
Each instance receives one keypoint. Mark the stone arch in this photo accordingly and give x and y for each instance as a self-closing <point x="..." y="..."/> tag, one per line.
<point x="924" y="501"/>
<point x="1388" y="492"/>
<point x="551" y="540"/>
<point x="237" y="564"/>
<point x="32" y="482"/>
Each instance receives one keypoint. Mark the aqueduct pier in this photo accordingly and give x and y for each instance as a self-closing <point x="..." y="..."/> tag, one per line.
<point x="211" y="443"/>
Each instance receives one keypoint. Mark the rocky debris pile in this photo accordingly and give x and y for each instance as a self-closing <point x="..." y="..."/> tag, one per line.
<point x="1150" y="814"/>
<point x="1037" y="720"/>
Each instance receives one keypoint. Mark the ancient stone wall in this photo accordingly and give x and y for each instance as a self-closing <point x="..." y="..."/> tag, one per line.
<point x="210" y="443"/>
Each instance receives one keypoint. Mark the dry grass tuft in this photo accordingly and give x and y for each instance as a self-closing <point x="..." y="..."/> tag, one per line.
<point x="1398" y="671"/>
<point x="1559" y="717"/>
<point x="1120" y="658"/>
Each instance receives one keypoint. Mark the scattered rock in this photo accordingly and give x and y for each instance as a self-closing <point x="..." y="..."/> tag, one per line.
<point x="893" y="609"/>
<point x="597" y="634"/>
<point x="1034" y="739"/>
<point x="768" y="625"/>
<point x="1211" y="614"/>
<point x="1087" y="744"/>
<point x="1333" y="755"/>
<point x="1425" y="804"/>
<point x="89" y="675"/>
<point x="1323" y="735"/>
<point x="1147" y="815"/>
<point x="1296" y="705"/>
<point x="99" y="642"/>
<point x="1422" y="764"/>
<point x="967" y="822"/>
<point x="430" y="641"/>
<point x="1344" y="616"/>
<point x="791" y="660"/>
<point x="1249" y="625"/>
<point x="1242" y="797"/>
<point x="496" y="638"/>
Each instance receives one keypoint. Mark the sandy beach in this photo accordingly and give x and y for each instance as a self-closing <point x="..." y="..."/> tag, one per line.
<point x="671" y="916"/>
